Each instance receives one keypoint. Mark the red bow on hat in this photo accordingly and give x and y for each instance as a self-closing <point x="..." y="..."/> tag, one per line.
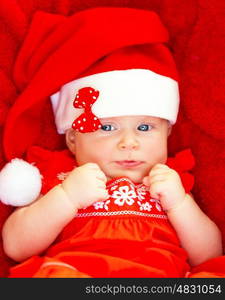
<point x="86" y="122"/>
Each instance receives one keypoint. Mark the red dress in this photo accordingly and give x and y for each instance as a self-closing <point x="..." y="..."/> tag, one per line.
<point x="128" y="235"/>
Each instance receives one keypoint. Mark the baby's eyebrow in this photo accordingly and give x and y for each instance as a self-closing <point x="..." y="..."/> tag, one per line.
<point x="148" y="119"/>
<point x="106" y="120"/>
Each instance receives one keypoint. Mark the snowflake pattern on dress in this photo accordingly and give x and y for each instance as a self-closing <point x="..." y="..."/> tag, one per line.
<point x="113" y="187"/>
<point x="157" y="204"/>
<point x="124" y="195"/>
<point x="141" y="192"/>
<point x="145" y="206"/>
<point x="101" y="205"/>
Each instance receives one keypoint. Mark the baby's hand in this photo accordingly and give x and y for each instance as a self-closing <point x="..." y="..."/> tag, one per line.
<point x="165" y="184"/>
<point x="85" y="185"/>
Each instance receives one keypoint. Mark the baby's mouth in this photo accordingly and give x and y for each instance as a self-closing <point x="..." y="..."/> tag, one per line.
<point x="129" y="163"/>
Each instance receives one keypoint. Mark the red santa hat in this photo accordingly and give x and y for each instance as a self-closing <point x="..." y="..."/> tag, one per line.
<point x="120" y="52"/>
<point x="102" y="62"/>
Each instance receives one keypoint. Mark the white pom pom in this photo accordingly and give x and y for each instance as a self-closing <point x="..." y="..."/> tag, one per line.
<point x="20" y="183"/>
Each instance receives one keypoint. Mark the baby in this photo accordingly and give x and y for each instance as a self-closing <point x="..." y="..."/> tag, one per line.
<point x="116" y="119"/>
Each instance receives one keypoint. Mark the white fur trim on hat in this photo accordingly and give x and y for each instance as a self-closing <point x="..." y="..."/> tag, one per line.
<point x="20" y="183"/>
<point x="121" y="93"/>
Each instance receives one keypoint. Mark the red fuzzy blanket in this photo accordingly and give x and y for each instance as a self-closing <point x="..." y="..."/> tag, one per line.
<point x="197" y="34"/>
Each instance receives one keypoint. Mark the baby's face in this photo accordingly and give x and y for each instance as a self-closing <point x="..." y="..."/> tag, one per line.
<point x="125" y="146"/>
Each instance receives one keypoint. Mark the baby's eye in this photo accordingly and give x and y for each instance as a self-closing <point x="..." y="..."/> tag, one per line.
<point x="144" y="127"/>
<point x="108" y="127"/>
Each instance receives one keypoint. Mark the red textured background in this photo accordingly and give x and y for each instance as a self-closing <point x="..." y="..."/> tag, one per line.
<point x="197" y="34"/>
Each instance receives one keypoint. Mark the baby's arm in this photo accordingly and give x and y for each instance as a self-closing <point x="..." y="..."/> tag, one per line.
<point x="198" y="235"/>
<point x="30" y="230"/>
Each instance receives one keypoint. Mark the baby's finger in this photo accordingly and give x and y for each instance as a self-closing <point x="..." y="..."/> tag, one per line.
<point x="101" y="176"/>
<point x="101" y="184"/>
<point x="159" y="172"/>
<point x="93" y="166"/>
<point x="160" y="167"/>
<point x="103" y="195"/>
<point x="145" y="181"/>
<point x="157" y="178"/>
<point x="155" y="190"/>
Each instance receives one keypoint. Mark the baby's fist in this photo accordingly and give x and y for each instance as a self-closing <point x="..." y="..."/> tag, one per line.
<point x="165" y="184"/>
<point x="86" y="185"/>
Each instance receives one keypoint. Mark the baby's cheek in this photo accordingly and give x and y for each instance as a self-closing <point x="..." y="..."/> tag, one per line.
<point x="162" y="154"/>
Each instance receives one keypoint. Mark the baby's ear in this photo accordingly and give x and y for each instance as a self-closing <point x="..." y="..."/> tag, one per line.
<point x="70" y="139"/>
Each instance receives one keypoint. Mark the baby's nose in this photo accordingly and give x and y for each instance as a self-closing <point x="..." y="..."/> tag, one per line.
<point x="128" y="142"/>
